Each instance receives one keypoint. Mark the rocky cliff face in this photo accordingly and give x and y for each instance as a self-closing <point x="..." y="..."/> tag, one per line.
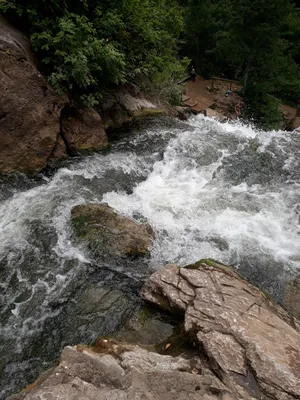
<point x="124" y="104"/>
<point x="243" y="347"/>
<point x="29" y="108"/>
<point x="37" y="127"/>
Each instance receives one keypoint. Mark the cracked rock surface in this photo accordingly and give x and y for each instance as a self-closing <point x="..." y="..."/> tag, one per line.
<point x="252" y="344"/>
<point x="245" y="347"/>
<point x="114" y="371"/>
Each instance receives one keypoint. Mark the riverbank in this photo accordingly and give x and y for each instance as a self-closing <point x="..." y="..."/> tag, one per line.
<point x="218" y="98"/>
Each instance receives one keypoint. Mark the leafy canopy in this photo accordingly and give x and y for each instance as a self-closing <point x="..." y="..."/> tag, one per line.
<point x="89" y="45"/>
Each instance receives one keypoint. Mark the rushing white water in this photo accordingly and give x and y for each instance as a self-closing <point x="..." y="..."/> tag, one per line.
<point x="206" y="199"/>
<point x="210" y="190"/>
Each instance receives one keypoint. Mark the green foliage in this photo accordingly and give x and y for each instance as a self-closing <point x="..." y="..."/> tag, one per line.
<point x="79" y="61"/>
<point x="87" y="46"/>
<point x="166" y="80"/>
<point x="267" y="115"/>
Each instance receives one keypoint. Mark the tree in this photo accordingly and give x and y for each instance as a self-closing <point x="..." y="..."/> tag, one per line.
<point x="256" y="41"/>
<point x="88" y="46"/>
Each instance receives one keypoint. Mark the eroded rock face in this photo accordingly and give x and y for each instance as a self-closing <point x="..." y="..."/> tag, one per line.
<point x="125" y="103"/>
<point x="83" y="130"/>
<point x="116" y="371"/>
<point x="107" y="233"/>
<point x="29" y="108"/>
<point x="252" y="344"/>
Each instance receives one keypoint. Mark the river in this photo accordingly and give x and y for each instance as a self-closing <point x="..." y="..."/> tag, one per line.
<point x="210" y="190"/>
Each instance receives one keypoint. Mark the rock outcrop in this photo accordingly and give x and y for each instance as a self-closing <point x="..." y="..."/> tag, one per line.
<point x="82" y="130"/>
<point x="107" y="233"/>
<point x="242" y="347"/>
<point x="125" y="372"/>
<point x="295" y="124"/>
<point x="37" y="127"/>
<point x="29" y="108"/>
<point x="126" y="103"/>
<point x="252" y="344"/>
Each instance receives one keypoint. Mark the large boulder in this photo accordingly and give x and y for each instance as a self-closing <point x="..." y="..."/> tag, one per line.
<point x="29" y="108"/>
<point x="126" y="103"/>
<point x="125" y="372"/>
<point x="252" y="344"/>
<point x="82" y="130"/>
<point x="107" y="233"/>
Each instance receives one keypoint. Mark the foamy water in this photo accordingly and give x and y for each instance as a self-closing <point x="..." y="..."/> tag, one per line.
<point x="205" y="199"/>
<point x="210" y="190"/>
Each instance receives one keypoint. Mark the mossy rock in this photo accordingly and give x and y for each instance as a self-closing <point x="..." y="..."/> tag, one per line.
<point x="149" y="112"/>
<point x="107" y="233"/>
<point x="208" y="262"/>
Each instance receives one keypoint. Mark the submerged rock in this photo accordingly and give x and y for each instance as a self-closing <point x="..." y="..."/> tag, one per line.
<point x="251" y="343"/>
<point x="107" y="233"/>
<point x="116" y="371"/>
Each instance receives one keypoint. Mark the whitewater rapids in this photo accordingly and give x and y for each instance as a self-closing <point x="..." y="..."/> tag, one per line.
<point x="209" y="190"/>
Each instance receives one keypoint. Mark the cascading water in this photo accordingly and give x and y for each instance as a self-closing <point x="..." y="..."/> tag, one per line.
<point x="210" y="190"/>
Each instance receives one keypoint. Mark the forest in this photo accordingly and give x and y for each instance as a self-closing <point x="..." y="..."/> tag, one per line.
<point x="89" y="46"/>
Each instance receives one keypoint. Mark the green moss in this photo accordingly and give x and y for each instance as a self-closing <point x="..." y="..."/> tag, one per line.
<point x="79" y="226"/>
<point x="212" y="263"/>
<point x="197" y="265"/>
<point x="149" y="112"/>
<point x="266" y="295"/>
<point x="254" y="145"/>
<point x="207" y="261"/>
<point x="145" y="313"/>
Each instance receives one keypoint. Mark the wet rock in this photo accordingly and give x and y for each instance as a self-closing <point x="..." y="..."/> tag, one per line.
<point x="83" y="130"/>
<point x="147" y="326"/>
<point x="98" y="309"/>
<point x="251" y="343"/>
<point x="296" y="123"/>
<point x="97" y="304"/>
<point x="29" y="108"/>
<point x="59" y="153"/>
<point x="291" y="297"/>
<point x="183" y="113"/>
<point x="127" y="102"/>
<point x="107" y="233"/>
<point x="116" y="371"/>
<point x="209" y="112"/>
